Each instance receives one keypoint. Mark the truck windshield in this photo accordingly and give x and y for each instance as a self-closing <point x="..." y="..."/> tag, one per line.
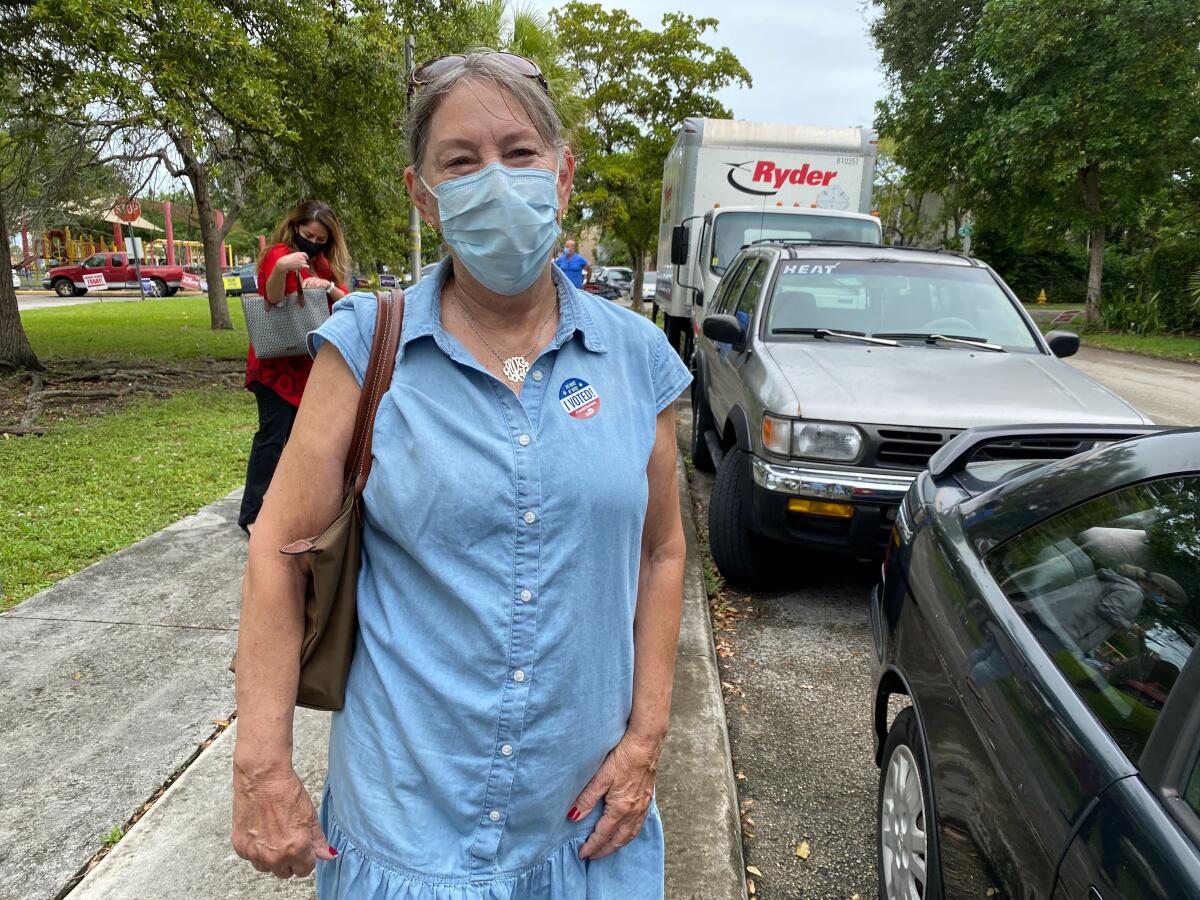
<point x="909" y="302"/>
<point x="734" y="229"/>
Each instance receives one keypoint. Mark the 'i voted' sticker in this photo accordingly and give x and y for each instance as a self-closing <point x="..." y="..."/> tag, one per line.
<point x="578" y="398"/>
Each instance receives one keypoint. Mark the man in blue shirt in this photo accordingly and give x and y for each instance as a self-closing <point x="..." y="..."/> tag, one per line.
<point x="574" y="266"/>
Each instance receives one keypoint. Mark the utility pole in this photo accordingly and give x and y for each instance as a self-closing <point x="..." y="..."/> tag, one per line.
<point x="414" y="218"/>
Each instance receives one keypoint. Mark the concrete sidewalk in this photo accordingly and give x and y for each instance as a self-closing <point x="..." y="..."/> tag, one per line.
<point x="150" y="630"/>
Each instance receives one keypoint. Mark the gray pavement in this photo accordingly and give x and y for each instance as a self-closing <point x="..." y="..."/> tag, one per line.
<point x="798" y="680"/>
<point x="109" y="682"/>
<point x="1168" y="392"/>
<point x="112" y="679"/>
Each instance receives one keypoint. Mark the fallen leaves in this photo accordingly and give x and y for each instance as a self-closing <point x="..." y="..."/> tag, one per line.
<point x="754" y="870"/>
<point x="802" y="851"/>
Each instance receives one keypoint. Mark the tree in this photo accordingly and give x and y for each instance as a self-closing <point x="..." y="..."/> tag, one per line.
<point x="1043" y="112"/>
<point x="636" y="87"/>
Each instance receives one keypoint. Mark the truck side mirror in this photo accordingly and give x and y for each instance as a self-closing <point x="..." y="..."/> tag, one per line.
<point x="679" y="245"/>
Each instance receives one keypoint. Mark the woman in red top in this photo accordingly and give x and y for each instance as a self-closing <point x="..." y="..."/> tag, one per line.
<point x="309" y="249"/>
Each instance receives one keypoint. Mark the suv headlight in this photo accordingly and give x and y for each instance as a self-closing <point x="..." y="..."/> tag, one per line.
<point x="832" y="441"/>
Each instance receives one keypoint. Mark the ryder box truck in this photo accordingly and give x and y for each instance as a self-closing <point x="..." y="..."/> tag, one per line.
<point x="729" y="183"/>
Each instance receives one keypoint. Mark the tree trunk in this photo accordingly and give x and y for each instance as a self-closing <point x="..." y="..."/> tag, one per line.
<point x="1091" y="201"/>
<point x="210" y="236"/>
<point x="14" y="345"/>
<point x="639" y="269"/>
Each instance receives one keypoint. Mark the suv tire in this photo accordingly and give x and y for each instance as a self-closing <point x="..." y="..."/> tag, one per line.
<point x="701" y="423"/>
<point x="739" y="553"/>
<point x="64" y="287"/>
<point x="903" y="763"/>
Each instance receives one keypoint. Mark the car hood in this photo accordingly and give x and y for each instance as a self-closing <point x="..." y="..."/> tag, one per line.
<point x="942" y="388"/>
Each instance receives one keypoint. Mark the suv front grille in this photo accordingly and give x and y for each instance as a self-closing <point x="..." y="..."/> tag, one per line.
<point x="904" y="449"/>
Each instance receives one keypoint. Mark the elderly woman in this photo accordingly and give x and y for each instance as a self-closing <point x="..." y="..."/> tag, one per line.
<point x="522" y="553"/>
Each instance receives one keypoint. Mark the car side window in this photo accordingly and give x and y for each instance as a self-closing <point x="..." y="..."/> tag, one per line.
<point x="94" y="262"/>
<point x="1111" y="590"/>
<point x="744" y="311"/>
<point x="1191" y="793"/>
<point x="731" y="287"/>
<point x="118" y="260"/>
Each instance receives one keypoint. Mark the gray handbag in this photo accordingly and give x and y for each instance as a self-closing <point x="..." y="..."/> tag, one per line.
<point x="281" y="329"/>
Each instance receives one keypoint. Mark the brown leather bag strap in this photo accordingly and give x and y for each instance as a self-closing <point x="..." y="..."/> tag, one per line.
<point x="389" y="317"/>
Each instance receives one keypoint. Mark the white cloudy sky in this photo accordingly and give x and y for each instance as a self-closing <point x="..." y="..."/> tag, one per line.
<point x="811" y="61"/>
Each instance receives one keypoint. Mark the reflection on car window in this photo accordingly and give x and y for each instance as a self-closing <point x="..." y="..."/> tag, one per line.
<point x="1192" y="792"/>
<point x="736" y="229"/>
<point x="1111" y="589"/>
<point x="896" y="297"/>
<point x="744" y="311"/>
<point x="732" y="286"/>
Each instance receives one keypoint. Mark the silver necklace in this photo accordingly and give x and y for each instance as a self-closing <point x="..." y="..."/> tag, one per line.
<point x="515" y="367"/>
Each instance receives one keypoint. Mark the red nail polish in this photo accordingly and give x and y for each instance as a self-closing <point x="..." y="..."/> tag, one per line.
<point x="333" y="851"/>
<point x="573" y="815"/>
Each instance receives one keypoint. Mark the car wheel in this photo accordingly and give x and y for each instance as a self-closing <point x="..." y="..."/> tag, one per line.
<point x="908" y="861"/>
<point x="65" y="288"/>
<point x="701" y="423"/>
<point x="171" y="292"/>
<point x="160" y="287"/>
<point x="740" y="554"/>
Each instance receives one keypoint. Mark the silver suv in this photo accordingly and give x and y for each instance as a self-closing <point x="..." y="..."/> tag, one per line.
<point x="827" y="374"/>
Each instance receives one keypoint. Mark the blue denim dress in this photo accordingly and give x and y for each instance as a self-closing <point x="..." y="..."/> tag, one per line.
<point x="494" y="664"/>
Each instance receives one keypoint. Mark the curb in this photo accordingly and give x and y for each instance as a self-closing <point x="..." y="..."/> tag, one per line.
<point x="697" y="795"/>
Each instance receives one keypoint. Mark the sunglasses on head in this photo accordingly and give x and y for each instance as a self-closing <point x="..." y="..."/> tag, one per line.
<point x="428" y="71"/>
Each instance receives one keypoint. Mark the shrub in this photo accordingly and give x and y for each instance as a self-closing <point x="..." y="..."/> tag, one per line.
<point x="1131" y="311"/>
<point x="1168" y="272"/>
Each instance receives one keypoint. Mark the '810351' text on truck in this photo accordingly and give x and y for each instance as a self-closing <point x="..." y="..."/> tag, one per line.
<point x="727" y="184"/>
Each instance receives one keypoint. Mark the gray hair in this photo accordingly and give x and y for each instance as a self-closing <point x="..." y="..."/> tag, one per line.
<point x="481" y="64"/>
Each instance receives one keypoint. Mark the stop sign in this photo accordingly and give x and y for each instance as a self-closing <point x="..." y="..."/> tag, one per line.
<point x="127" y="209"/>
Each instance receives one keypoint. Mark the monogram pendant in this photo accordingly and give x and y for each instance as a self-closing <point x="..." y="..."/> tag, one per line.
<point x="516" y="368"/>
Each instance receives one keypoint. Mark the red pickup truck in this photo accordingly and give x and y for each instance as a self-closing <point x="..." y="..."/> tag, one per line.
<point x="111" y="272"/>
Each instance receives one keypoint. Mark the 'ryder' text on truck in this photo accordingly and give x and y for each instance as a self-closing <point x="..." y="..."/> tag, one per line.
<point x="728" y="183"/>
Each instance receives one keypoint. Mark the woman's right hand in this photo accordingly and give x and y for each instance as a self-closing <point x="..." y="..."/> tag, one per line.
<point x="275" y="826"/>
<point x="293" y="262"/>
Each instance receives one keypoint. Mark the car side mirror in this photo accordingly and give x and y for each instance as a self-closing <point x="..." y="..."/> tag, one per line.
<point x="724" y="329"/>
<point x="1063" y="343"/>
<point x="698" y="298"/>
<point x="680" y="236"/>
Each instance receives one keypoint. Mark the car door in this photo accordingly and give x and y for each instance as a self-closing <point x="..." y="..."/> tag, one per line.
<point x="727" y="389"/>
<point x="96" y="264"/>
<point x="1108" y="599"/>
<point x="116" y="271"/>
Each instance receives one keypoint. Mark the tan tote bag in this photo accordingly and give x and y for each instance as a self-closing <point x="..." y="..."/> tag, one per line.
<point x="330" y="597"/>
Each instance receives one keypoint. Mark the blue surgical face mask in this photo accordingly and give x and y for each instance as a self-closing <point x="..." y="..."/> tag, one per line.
<point x="501" y="222"/>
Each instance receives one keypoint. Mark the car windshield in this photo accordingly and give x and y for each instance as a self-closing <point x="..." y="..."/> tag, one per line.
<point x="649" y="278"/>
<point x="736" y="229"/>
<point x="922" y="302"/>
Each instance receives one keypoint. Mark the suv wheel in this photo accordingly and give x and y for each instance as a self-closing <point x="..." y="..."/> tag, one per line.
<point x="740" y="554"/>
<point x="909" y="866"/>
<point x="701" y="423"/>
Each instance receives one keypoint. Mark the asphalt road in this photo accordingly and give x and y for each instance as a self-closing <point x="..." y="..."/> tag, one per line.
<point x="797" y="675"/>
<point x="1168" y="392"/>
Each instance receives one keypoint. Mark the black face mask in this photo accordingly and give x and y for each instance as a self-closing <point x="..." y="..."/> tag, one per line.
<point x="304" y="245"/>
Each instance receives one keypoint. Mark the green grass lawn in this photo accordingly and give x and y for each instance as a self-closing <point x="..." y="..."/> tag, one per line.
<point x="1165" y="346"/>
<point x="165" y="329"/>
<point x="99" y="482"/>
<point x="96" y="485"/>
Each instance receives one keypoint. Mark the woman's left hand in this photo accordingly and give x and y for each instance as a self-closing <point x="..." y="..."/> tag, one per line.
<point x="314" y="282"/>
<point x="626" y="784"/>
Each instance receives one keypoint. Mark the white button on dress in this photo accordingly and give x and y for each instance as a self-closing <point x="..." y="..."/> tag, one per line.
<point x="526" y="596"/>
<point x="530" y="518"/>
<point x="506" y="749"/>
<point x="518" y="676"/>
<point x="523" y="440"/>
<point x="494" y="815"/>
